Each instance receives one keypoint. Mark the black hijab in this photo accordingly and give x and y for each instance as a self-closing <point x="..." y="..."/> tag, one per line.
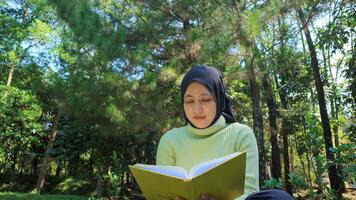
<point x="212" y="79"/>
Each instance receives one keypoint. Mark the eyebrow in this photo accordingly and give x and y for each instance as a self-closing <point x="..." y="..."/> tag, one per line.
<point x="204" y="94"/>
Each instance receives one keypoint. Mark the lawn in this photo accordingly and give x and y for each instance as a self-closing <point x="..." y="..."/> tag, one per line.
<point x="29" y="196"/>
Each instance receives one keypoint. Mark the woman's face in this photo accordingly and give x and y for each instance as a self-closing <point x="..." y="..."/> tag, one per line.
<point x="199" y="105"/>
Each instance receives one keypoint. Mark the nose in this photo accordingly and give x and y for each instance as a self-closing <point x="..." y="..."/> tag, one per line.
<point x="197" y="108"/>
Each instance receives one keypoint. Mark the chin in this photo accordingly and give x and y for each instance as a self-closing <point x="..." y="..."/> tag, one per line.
<point x="201" y="125"/>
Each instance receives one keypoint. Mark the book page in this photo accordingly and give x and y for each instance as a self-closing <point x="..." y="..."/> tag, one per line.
<point x="207" y="165"/>
<point x="174" y="171"/>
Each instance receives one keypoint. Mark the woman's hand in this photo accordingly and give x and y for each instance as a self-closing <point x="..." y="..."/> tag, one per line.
<point x="202" y="197"/>
<point x="206" y="197"/>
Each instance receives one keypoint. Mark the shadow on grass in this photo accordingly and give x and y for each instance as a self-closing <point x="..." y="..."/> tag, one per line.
<point x="24" y="184"/>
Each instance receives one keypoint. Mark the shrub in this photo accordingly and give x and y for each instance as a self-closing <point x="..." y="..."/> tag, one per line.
<point x="273" y="183"/>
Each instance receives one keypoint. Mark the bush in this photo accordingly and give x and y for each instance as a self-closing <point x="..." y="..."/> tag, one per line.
<point x="273" y="183"/>
<point x="297" y="181"/>
<point x="69" y="185"/>
<point x="114" y="175"/>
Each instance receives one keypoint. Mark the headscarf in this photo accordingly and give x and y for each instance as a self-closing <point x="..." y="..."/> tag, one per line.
<point x="212" y="79"/>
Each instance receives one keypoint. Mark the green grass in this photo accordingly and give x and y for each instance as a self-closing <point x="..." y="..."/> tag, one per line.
<point x="29" y="196"/>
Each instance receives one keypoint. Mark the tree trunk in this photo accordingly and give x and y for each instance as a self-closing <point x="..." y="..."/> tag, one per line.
<point x="335" y="181"/>
<point x="284" y="101"/>
<point x="10" y="76"/>
<point x="335" y="116"/>
<point x="285" y="131"/>
<point x="247" y="41"/>
<point x="334" y="101"/>
<point x="46" y="160"/>
<point x="188" y="56"/>
<point x="257" y="120"/>
<point x="306" y="179"/>
<point x="272" y="116"/>
<point x="59" y="168"/>
<point x="333" y="97"/>
<point x="13" y="165"/>
<point x="307" y="154"/>
<point x="34" y="165"/>
<point x="99" y="189"/>
<point x="291" y="157"/>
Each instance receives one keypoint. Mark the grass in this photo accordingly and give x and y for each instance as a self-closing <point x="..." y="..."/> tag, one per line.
<point x="30" y="196"/>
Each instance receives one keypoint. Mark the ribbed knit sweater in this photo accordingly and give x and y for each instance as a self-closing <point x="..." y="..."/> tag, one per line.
<point x="187" y="146"/>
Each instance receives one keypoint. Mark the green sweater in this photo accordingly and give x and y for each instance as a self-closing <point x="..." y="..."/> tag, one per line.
<point x="187" y="146"/>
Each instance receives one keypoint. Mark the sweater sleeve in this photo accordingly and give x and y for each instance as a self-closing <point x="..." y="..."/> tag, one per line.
<point x="165" y="152"/>
<point x="246" y="142"/>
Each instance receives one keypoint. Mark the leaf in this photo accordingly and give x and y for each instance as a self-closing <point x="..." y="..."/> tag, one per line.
<point x="332" y="149"/>
<point x="12" y="55"/>
<point x="41" y="31"/>
<point x="255" y="22"/>
<point x="114" y="114"/>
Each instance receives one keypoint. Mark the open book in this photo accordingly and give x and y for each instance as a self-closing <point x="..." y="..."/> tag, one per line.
<point x="222" y="178"/>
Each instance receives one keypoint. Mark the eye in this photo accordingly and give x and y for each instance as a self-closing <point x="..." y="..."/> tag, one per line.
<point x="206" y="100"/>
<point x="188" y="101"/>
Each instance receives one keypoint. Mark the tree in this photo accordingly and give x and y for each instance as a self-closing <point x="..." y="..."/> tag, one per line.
<point x="286" y="125"/>
<point x="335" y="181"/>
<point x="46" y="159"/>
<point x="20" y="126"/>
<point x="248" y="44"/>
<point x="272" y="116"/>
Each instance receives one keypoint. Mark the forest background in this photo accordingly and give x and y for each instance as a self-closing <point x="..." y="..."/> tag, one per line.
<point x="88" y="87"/>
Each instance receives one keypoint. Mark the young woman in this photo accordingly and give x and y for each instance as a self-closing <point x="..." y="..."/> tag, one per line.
<point x="211" y="130"/>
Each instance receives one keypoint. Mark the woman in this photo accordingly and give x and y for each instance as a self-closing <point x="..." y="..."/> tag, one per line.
<point x="211" y="129"/>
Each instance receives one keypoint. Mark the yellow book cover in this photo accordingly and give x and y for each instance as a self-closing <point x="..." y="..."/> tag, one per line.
<point x="222" y="178"/>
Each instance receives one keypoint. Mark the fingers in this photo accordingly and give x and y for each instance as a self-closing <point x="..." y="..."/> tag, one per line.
<point x="206" y="197"/>
<point x="202" y="197"/>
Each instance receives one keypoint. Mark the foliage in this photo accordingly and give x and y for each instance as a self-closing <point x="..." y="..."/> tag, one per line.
<point x="273" y="183"/>
<point x="69" y="185"/>
<point x="20" y="128"/>
<point x="345" y="155"/>
<point x="115" y="175"/>
<point x="298" y="181"/>
<point x="314" y="144"/>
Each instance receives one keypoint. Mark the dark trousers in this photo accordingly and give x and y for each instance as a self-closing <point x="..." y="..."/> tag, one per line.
<point x="273" y="194"/>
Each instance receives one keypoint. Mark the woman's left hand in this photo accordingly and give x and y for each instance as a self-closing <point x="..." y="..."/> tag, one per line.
<point x="206" y="197"/>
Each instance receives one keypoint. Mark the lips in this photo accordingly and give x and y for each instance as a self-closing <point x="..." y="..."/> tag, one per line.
<point x="199" y="117"/>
